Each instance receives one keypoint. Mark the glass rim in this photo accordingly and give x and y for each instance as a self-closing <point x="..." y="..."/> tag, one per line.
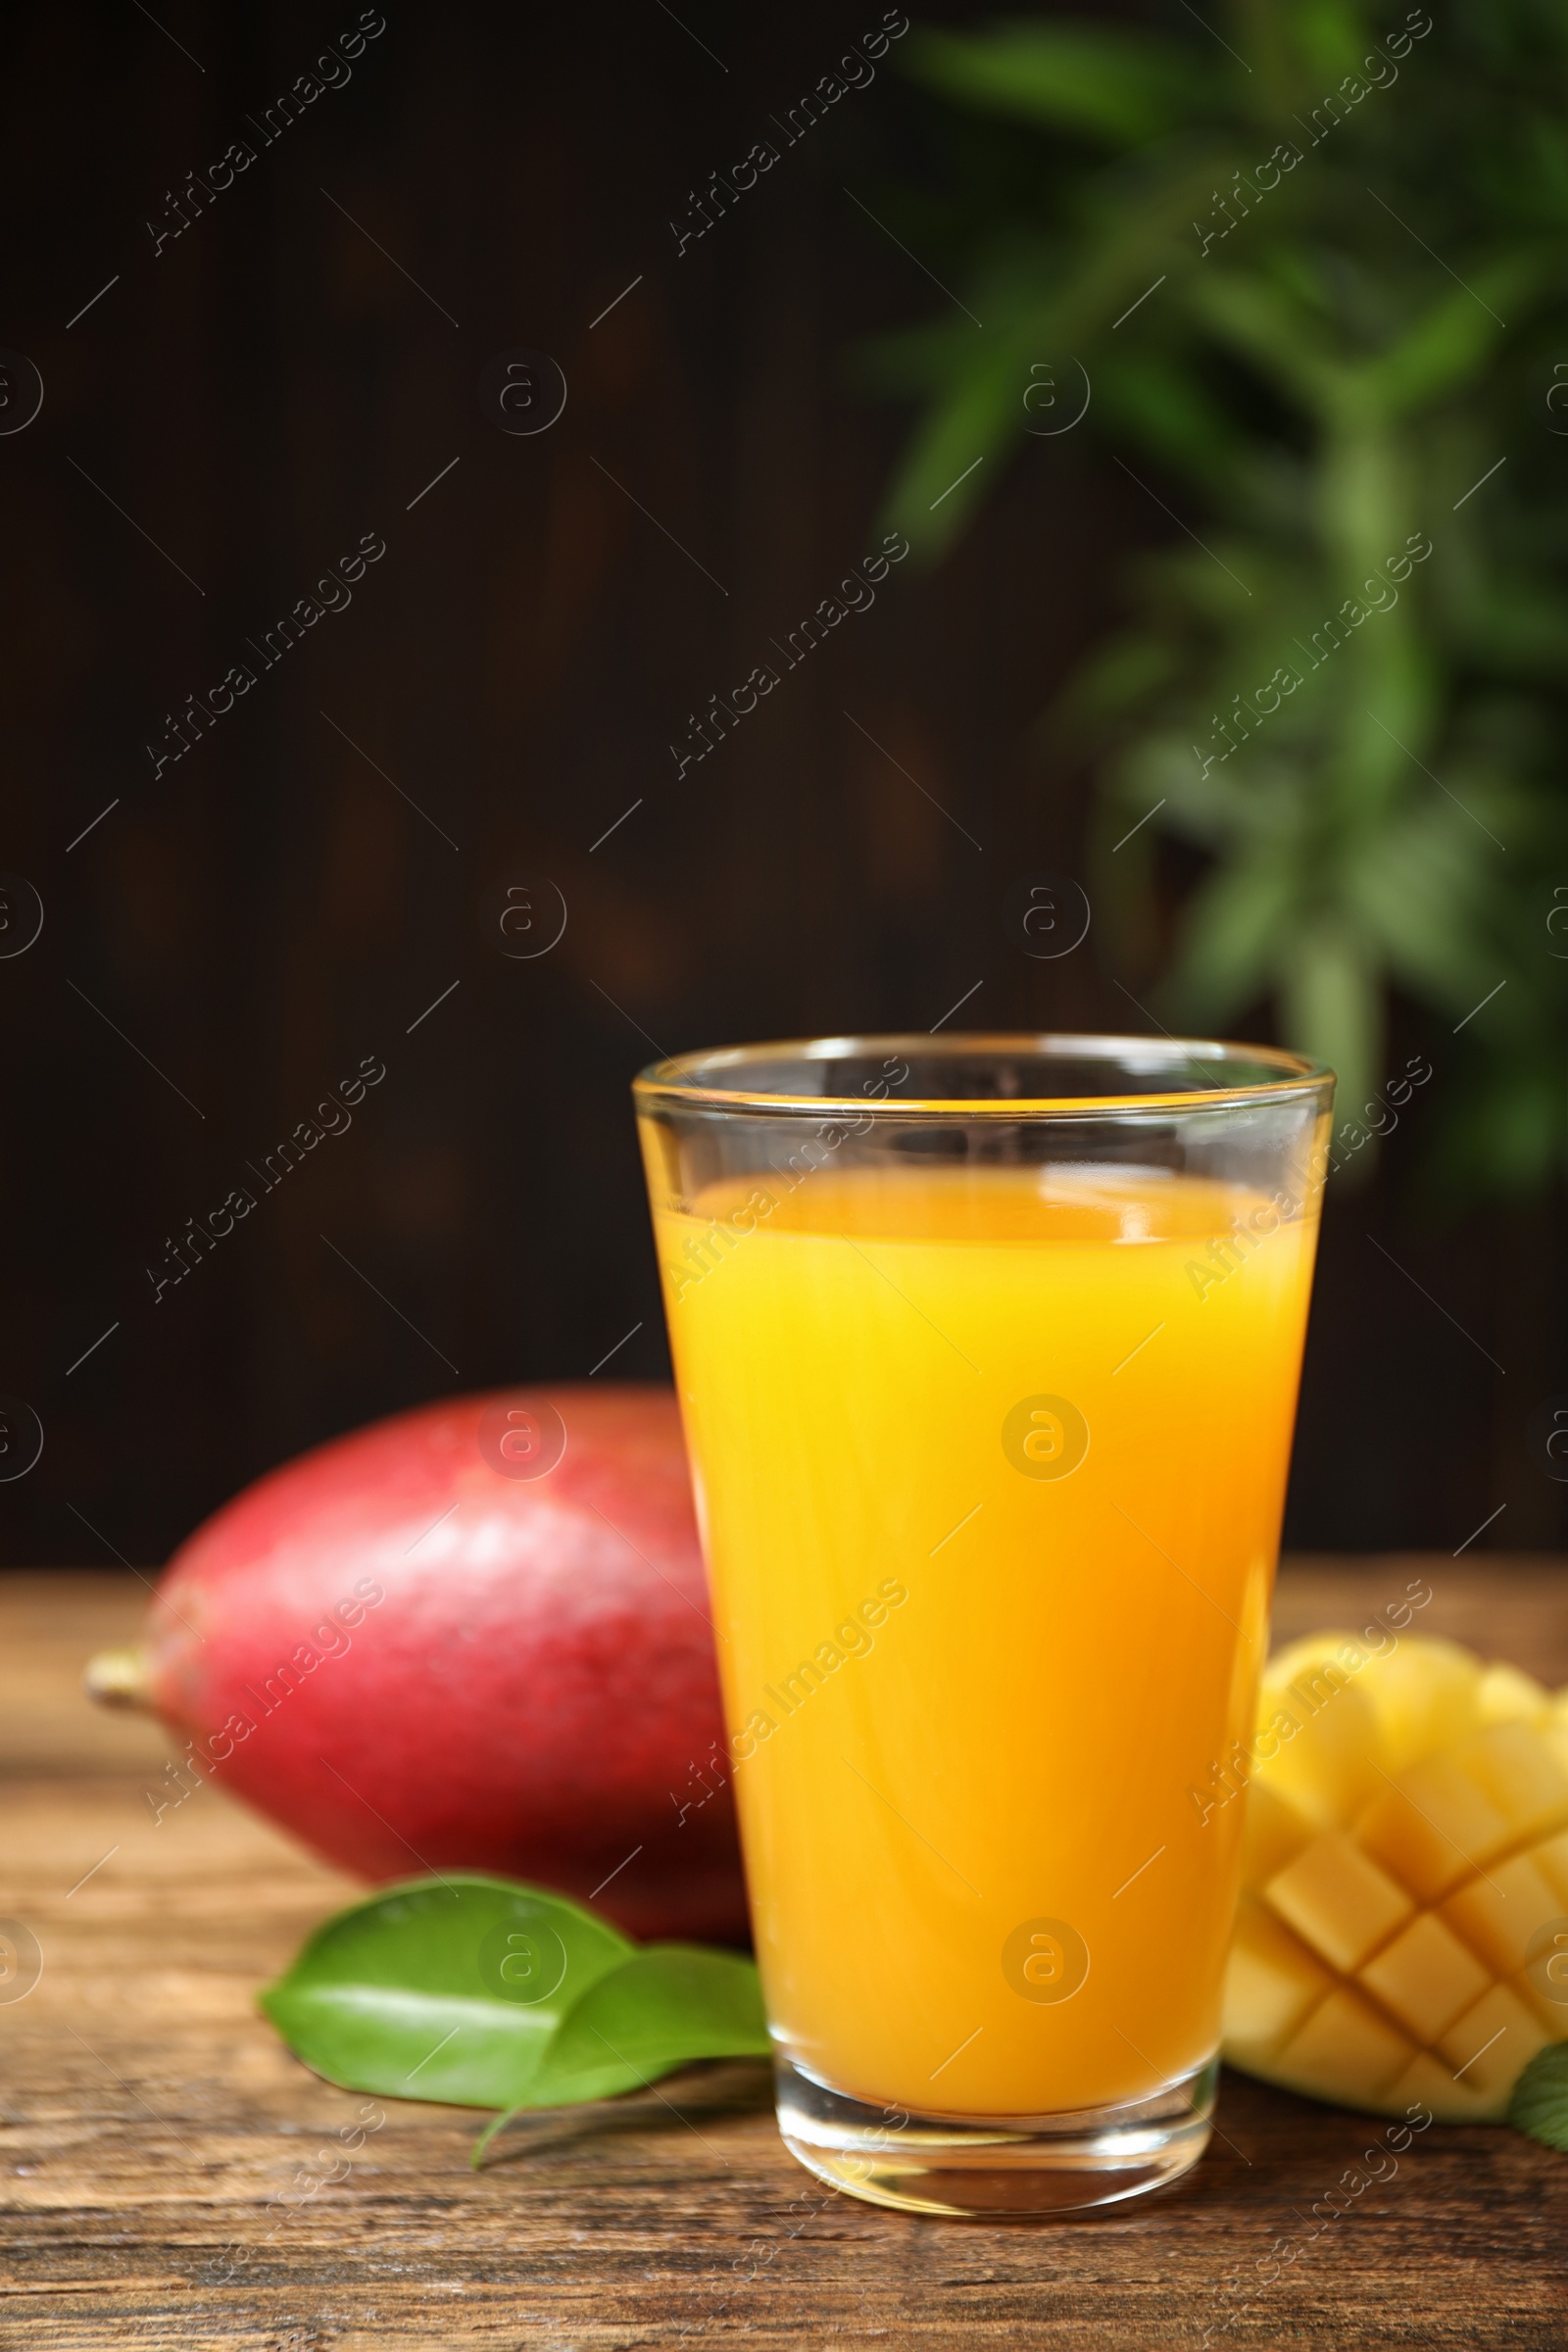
<point x="674" y="1083"/>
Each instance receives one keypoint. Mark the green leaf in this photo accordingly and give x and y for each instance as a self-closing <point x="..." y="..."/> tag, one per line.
<point x="670" y="2004"/>
<point x="1446" y="345"/>
<point x="1410" y="891"/>
<point x="1231" y="934"/>
<point x="441" y="1988"/>
<point x="1259" y="322"/>
<point x="941" y="479"/>
<point x="1323" y="345"/>
<point x="1168" y="407"/>
<point x="1075" y="78"/>
<point x="1332" y="1004"/>
<point x="1539" y="2106"/>
<point x="486" y="1994"/>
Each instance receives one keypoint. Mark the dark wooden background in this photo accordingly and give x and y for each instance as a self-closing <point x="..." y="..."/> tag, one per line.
<point x="279" y="381"/>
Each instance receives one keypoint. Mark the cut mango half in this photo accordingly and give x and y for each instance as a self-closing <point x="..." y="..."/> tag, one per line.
<point x="1402" y="1932"/>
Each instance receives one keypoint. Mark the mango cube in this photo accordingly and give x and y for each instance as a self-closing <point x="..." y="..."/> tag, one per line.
<point x="1493" y="2042"/>
<point x="1426" y="1694"/>
<point x="1316" y="1735"/>
<point x="1428" y="2083"/>
<point x="1498" y="1912"/>
<point x="1432" y="1826"/>
<point x="1550" y="1858"/>
<point x="1271" y="1982"/>
<point x="1338" y="1900"/>
<point x="1402" y="1937"/>
<point x="1517" y="1773"/>
<point x="1508" y="1695"/>
<point x="1346" y="2050"/>
<point x="1275" y="1832"/>
<point x="1426" y="1977"/>
<point x="1542" y="1986"/>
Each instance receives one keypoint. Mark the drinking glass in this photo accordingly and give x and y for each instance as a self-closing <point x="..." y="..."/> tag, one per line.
<point x="988" y="1350"/>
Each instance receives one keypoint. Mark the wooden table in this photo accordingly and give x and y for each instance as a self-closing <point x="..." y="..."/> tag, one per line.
<point x="151" y="2114"/>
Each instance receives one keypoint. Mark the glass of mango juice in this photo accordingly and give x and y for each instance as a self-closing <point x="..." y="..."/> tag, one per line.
<point x="988" y="1350"/>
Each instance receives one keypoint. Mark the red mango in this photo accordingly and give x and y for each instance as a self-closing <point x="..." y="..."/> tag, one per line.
<point x="474" y="1636"/>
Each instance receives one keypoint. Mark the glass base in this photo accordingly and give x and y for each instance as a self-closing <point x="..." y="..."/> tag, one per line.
<point x="992" y="2167"/>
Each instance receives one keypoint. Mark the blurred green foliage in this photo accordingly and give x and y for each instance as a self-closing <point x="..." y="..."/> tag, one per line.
<point x="1354" y="223"/>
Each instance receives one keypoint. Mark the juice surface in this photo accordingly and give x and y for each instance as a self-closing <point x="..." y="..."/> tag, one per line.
<point x="990" y="1466"/>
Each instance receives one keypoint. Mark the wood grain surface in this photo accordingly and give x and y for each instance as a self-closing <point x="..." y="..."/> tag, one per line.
<point x="161" y="2147"/>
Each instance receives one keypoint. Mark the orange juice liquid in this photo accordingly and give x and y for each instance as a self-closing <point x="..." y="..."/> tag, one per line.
<point x="990" y="1467"/>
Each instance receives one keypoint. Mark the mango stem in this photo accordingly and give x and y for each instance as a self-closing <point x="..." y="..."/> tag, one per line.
<point x="119" y="1678"/>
